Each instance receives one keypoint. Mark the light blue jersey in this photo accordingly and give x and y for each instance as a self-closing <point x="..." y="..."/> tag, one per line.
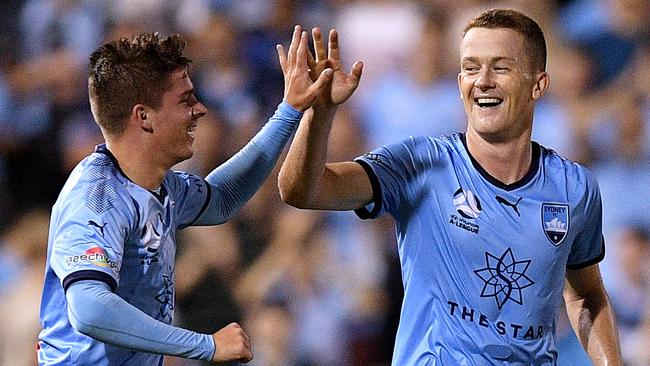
<point x="104" y="227"/>
<point x="483" y="263"/>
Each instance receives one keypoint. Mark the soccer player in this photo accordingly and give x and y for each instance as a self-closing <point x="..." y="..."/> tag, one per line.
<point x="491" y="227"/>
<point x="108" y="297"/>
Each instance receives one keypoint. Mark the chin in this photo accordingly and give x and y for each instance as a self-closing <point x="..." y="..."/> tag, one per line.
<point x="184" y="156"/>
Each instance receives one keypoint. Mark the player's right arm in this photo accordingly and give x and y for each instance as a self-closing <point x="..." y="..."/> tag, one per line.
<point x="305" y="180"/>
<point x="94" y="310"/>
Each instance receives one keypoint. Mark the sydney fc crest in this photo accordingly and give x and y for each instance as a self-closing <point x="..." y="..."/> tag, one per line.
<point x="555" y="220"/>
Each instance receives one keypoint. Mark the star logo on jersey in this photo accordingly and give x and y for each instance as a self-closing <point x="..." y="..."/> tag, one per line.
<point x="555" y="221"/>
<point x="166" y="298"/>
<point x="504" y="277"/>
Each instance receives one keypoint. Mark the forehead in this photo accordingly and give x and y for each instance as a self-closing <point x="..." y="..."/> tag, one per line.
<point x="492" y="43"/>
<point x="179" y="82"/>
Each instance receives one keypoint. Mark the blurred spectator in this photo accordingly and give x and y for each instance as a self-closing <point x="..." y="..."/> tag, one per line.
<point x="562" y="117"/>
<point x="609" y="29"/>
<point x="206" y="271"/>
<point x="22" y="261"/>
<point x="380" y="33"/>
<point x="289" y="276"/>
<point x="629" y="281"/>
<point x="623" y="169"/>
<point x="419" y="97"/>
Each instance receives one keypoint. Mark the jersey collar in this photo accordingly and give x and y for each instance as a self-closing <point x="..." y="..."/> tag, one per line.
<point x="102" y="149"/>
<point x="534" y="167"/>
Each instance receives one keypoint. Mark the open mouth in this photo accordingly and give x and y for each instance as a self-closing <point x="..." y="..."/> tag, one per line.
<point x="191" y="130"/>
<point x="487" y="102"/>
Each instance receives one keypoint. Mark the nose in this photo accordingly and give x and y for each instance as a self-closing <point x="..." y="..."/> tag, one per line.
<point x="199" y="110"/>
<point x="485" y="79"/>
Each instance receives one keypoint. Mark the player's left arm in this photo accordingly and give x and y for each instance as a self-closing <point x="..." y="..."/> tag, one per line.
<point x="237" y="180"/>
<point x="591" y="315"/>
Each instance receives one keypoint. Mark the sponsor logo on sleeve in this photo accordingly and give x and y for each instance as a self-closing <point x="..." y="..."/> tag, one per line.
<point x="95" y="256"/>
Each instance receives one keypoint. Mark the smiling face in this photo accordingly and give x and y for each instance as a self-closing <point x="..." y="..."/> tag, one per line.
<point x="498" y="83"/>
<point x="173" y="124"/>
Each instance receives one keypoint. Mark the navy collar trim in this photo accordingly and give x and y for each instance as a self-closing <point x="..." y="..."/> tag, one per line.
<point x="532" y="170"/>
<point x="102" y="149"/>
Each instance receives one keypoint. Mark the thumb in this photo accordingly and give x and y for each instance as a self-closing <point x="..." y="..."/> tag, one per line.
<point x="357" y="70"/>
<point x="324" y="78"/>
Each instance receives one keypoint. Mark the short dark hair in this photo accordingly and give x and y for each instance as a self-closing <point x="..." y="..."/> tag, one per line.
<point x="521" y="23"/>
<point x="129" y="71"/>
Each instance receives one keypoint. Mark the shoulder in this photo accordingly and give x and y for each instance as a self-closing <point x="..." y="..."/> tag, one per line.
<point x="182" y="181"/>
<point x="95" y="183"/>
<point x="561" y="169"/>
<point x="425" y="146"/>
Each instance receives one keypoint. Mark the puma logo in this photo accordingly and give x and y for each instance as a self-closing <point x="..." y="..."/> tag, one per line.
<point x="100" y="227"/>
<point x="505" y="202"/>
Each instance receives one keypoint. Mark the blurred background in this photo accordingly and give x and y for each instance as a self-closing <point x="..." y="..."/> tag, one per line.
<point x="316" y="288"/>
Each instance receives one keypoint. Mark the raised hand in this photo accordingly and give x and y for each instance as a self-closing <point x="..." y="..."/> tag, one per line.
<point x="232" y="344"/>
<point x="300" y="88"/>
<point x="342" y="85"/>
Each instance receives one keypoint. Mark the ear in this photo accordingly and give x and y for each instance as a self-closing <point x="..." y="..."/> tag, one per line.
<point x="140" y="114"/>
<point x="542" y="81"/>
<point x="460" y="89"/>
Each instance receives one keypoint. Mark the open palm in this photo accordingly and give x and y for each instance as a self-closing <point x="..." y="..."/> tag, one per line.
<point x="342" y="85"/>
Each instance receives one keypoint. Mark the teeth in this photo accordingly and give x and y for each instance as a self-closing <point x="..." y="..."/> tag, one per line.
<point x="488" y="100"/>
<point x="191" y="130"/>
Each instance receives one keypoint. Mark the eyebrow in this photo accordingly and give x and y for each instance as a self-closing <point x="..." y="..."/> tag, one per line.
<point x="495" y="59"/>
<point x="187" y="93"/>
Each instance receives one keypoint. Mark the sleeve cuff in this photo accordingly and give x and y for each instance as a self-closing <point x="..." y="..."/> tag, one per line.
<point x="287" y="110"/>
<point x="89" y="274"/>
<point x="372" y="210"/>
<point x="589" y="262"/>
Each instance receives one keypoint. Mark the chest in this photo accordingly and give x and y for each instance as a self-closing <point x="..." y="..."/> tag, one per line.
<point x="480" y="227"/>
<point x="152" y="244"/>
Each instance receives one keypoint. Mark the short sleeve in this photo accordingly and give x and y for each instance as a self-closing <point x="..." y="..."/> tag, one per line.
<point x="89" y="244"/>
<point x="589" y="245"/>
<point x="397" y="172"/>
<point x="191" y="194"/>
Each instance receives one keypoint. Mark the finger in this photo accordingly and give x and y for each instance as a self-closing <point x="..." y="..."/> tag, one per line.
<point x="293" y="47"/>
<point x="301" y="53"/>
<point x="246" y="337"/>
<point x="319" y="46"/>
<point x="282" y="56"/>
<point x="356" y="71"/>
<point x="311" y="64"/>
<point x="333" y="46"/>
<point x="246" y="357"/>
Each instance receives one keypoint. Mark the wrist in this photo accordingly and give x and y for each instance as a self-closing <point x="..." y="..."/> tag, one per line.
<point x="325" y="108"/>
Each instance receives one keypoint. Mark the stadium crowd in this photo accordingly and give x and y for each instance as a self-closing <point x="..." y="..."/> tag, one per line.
<point x="311" y="287"/>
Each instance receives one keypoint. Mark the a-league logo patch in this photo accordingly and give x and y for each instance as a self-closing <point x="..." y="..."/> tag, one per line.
<point x="555" y="221"/>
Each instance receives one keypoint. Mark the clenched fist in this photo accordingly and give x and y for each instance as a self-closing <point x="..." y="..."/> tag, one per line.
<point x="232" y="344"/>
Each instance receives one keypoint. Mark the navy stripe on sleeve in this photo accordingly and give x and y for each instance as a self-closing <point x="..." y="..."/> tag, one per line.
<point x="363" y="212"/>
<point x="89" y="274"/>
<point x="590" y="262"/>
<point x="208" y="196"/>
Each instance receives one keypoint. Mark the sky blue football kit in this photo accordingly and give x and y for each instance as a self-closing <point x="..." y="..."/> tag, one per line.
<point x="483" y="263"/>
<point x="108" y="296"/>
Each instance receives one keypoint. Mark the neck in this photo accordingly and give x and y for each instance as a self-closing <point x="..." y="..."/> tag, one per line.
<point x="507" y="161"/>
<point x="138" y="163"/>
